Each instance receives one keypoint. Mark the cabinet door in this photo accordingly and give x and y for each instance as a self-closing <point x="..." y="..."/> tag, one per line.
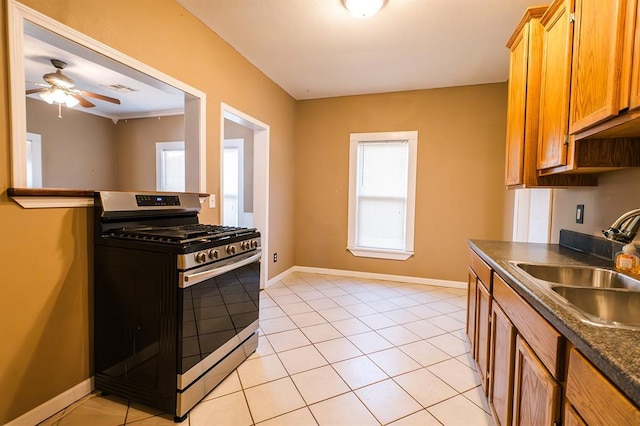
<point x="571" y="418"/>
<point x="483" y="324"/>
<point x="607" y="406"/>
<point x="517" y="100"/>
<point x="471" y="311"/>
<point x="503" y="341"/>
<point x="554" y="91"/>
<point x="536" y="393"/>
<point x="634" y="96"/>
<point x="596" y="62"/>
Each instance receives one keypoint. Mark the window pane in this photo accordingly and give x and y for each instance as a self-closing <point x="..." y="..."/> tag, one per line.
<point x="381" y="223"/>
<point x="381" y="195"/>
<point x="383" y="169"/>
<point x="173" y="168"/>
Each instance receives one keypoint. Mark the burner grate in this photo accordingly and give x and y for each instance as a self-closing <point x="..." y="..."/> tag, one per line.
<point x="181" y="234"/>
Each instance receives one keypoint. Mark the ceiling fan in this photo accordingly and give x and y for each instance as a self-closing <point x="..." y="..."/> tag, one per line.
<point x="60" y="89"/>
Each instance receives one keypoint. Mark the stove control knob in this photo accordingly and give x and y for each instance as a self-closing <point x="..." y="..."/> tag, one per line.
<point x="231" y="249"/>
<point x="245" y="245"/>
<point x="213" y="254"/>
<point x="201" y="257"/>
<point x="254" y="244"/>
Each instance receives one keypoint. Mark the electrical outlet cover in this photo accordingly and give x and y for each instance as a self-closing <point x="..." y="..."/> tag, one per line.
<point x="580" y="213"/>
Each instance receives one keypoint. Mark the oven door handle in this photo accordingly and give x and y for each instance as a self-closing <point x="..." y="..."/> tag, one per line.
<point x="191" y="279"/>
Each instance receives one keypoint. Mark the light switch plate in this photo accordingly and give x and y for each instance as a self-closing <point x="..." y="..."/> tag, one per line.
<point x="212" y="201"/>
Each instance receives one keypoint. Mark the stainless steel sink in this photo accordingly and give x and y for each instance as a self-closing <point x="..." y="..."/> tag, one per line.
<point x="604" y="307"/>
<point x="582" y="276"/>
<point x="595" y="295"/>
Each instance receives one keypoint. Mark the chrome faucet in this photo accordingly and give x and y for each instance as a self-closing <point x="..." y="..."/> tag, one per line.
<point x="625" y="228"/>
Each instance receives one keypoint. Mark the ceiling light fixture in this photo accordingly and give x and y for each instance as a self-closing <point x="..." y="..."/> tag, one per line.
<point x="363" y="8"/>
<point x="59" y="96"/>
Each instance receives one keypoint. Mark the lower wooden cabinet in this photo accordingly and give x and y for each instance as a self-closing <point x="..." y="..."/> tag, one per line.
<point x="536" y="395"/>
<point x="479" y="315"/>
<point x="471" y="310"/>
<point x="593" y="399"/>
<point x="571" y="417"/>
<point x="503" y="342"/>
<point x="527" y="371"/>
<point x="483" y="323"/>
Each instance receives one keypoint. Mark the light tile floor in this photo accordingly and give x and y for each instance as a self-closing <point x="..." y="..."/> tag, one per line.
<point x="335" y="351"/>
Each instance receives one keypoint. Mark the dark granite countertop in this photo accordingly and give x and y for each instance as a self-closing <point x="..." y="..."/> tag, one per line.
<point x="615" y="352"/>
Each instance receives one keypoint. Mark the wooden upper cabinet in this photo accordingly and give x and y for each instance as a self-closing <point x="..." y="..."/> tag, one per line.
<point x="556" y="78"/>
<point x="524" y="107"/>
<point x="525" y="48"/>
<point x="634" y="95"/>
<point x="597" y="59"/>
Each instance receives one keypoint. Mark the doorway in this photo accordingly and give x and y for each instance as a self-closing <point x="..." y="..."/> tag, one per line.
<point x="244" y="176"/>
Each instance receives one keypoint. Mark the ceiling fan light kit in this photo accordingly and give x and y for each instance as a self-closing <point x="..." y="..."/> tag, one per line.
<point x="363" y="8"/>
<point x="59" y="96"/>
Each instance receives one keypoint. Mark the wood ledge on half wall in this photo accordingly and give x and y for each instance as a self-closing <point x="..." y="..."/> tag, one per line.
<point x="55" y="198"/>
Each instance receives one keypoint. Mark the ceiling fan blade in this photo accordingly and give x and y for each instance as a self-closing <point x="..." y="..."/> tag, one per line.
<point x="101" y="97"/>
<point x="40" y="90"/>
<point x="83" y="102"/>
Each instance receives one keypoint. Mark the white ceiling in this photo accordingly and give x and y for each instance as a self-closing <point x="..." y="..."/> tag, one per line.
<point x="316" y="49"/>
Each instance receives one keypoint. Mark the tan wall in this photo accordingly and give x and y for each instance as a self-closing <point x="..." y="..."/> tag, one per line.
<point x="79" y="150"/>
<point x="137" y="149"/>
<point x="617" y="192"/>
<point x="460" y="192"/>
<point x="45" y="253"/>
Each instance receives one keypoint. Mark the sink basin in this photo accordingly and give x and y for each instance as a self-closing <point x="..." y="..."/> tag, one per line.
<point x="595" y="295"/>
<point x="581" y="276"/>
<point x="604" y="307"/>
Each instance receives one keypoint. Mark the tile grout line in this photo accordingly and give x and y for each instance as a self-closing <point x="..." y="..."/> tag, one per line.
<point x="451" y="357"/>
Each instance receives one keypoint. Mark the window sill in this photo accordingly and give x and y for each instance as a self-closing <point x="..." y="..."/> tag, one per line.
<point x="43" y="198"/>
<point x="380" y="253"/>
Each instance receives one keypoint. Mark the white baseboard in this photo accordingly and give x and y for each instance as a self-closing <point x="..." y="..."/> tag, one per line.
<point x="55" y="404"/>
<point x="371" y="275"/>
<point x="280" y="276"/>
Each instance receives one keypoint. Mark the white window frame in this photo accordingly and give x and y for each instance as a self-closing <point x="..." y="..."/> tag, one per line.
<point x="161" y="147"/>
<point x="355" y="139"/>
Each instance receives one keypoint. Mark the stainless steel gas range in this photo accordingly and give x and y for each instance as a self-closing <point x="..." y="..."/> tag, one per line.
<point x="176" y="302"/>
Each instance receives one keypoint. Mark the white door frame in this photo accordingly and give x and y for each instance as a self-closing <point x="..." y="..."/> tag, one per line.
<point x="261" y="132"/>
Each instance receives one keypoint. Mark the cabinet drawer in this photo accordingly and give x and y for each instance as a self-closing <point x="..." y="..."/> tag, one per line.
<point x="607" y="405"/>
<point x="546" y="342"/>
<point x="481" y="269"/>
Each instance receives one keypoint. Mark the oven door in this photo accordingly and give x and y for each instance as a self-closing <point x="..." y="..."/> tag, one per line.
<point x="220" y="304"/>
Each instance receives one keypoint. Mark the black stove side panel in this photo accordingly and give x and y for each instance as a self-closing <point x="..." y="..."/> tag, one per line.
<point x="135" y="328"/>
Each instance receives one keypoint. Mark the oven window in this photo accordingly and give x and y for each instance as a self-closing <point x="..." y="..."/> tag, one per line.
<point x="216" y="310"/>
